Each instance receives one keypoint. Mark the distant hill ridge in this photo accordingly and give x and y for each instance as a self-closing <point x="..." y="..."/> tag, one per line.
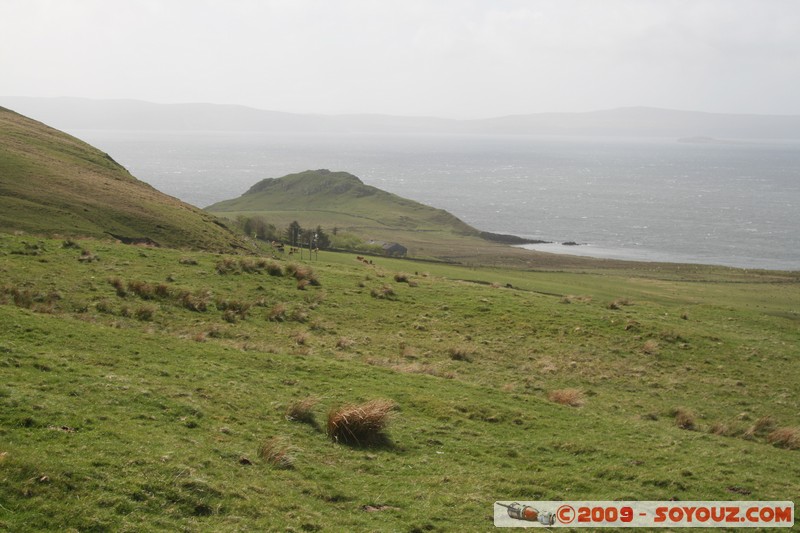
<point x="82" y="113"/>
<point x="53" y="183"/>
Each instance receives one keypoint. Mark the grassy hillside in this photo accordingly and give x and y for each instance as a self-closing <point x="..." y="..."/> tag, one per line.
<point x="341" y="200"/>
<point x="148" y="389"/>
<point x="51" y="182"/>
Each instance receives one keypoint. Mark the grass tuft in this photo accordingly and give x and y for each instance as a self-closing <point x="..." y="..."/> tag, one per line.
<point x="570" y="397"/>
<point x="360" y="425"/>
<point x="685" y="419"/>
<point x="461" y="353"/>
<point x="276" y="451"/>
<point x="760" y="427"/>
<point x="302" y="410"/>
<point x="785" y="438"/>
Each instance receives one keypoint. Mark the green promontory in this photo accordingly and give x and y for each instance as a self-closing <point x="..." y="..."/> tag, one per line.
<point x="341" y="200"/>
<point x="53" y="183"/>
<point x="344" y="195"/>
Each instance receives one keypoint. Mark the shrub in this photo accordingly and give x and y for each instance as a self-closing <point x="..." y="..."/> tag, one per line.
<point x="360" y="425"/>
<point x="570" y="397"/>
<point x="401" y="277"/>
<point x="302" y="410"/>
<point x="785" y="437"/>
<point x="684" y="419"/>
<point x="276" y="452"/>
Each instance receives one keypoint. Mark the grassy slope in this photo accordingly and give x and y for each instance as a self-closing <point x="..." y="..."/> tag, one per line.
<point x="109" y="421"/>
<point x="51" y="182"/>
<point x="341" y="200"/>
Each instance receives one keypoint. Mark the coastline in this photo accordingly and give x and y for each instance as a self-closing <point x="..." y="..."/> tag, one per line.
<point x="655" y="256"/>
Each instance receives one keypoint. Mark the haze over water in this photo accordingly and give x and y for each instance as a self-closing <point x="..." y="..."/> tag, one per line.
<point x="653" y="200"/>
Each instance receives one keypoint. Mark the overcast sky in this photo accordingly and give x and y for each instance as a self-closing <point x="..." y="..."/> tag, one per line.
<point x="448" y="58"/>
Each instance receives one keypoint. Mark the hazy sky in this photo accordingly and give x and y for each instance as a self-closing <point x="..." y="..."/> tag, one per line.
<point x="449" y="58"/>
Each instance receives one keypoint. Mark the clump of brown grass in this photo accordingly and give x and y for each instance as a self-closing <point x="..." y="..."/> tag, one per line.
<point x="571" y="298"/>
<point x="386" y="292"/>
<point x="193" y="302"/>
<point x="277" y="452"/>
<point x="142" y="289"/>
<point x="619" y="303"/>
<point x="302" y="410"/>
<point x="401" y="277"/>
<point x="301" y="273"/>
<point x="301" y="338"/>
<point x="760" y="427"/>
<point x="360" y="425"/>
<point x="119" y="286"/>
<point x="461" y="353"/>
<point x="570" y="397"/>
<point x="650" y="347"/>
<point x="277" y="313"/>
<point x="88" y="257"/>
<point x="785" y="437"/>
<point x="344" y="343"/>
<point x="685" y="419"/>
<point x="145" y="313"/>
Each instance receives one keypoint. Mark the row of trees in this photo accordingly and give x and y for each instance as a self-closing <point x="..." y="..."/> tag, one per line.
<point x="293" y="235"/>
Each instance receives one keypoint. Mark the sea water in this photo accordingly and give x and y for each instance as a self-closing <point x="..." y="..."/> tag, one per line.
<point x="735" y="204"/>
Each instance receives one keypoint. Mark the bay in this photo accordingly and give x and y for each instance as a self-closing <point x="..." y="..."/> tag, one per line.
<point x="733" y="204"/>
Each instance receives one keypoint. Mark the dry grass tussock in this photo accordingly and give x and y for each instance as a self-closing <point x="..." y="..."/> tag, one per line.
<point x="571" y="298"/>
<point x="619" y="303"/>
<point x="277" y="452"/>
<point x="650" y="347"/>
<point x="570" y="397"/>
<point x="685" y="419"/>
<point x="386" y="292"/>
<point x="302" y="410"/>
<point x="785" y="438"/>
<point x="360" y="425"/>
<point x="461" y="353"/>
<point x="760" y="427"/>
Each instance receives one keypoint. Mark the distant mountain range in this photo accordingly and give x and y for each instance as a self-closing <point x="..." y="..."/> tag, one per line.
<point x="86" y="114"/>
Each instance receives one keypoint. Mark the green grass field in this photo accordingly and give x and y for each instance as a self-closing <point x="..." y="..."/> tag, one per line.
<point x="147" y="389"/>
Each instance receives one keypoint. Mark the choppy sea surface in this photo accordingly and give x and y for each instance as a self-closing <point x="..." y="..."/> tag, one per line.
<point x="734" y="204"/>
